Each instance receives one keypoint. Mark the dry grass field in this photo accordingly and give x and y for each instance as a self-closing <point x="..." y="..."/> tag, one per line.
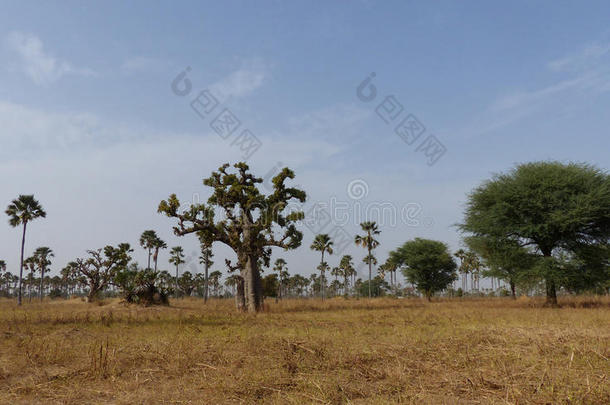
<point x="307" y="351"/>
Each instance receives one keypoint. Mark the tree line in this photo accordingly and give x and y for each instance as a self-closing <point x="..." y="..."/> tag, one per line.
<point x="542" y="224"/>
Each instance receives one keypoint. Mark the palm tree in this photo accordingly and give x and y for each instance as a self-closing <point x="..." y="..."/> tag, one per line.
<point x="42" y="256"/>
<point x="368" y="242"/>
<point x="176" y="258"/>
<point x="147" y="241"/>
<point x="30" y="264"/>
<point x="347" y="268"/>
<point x="206" y="260"/>
<point x="21" y="211"/>
<point x="322" y="243"/>
<point x="158" y="243"/>
<point x="280" y="266"/>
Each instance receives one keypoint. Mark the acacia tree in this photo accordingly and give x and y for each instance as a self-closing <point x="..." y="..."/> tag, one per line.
<point x="176" y="258"/>
<point x="42" y="257"/>
<point x="549" y="207"/>
<point x="427" y="264"/>
<point x="101" y="267"/>
<point x="21" y="211"/>
<point x="368" y="242"/>
<point x="323" y="244"/>
<point x="251" y="221"/>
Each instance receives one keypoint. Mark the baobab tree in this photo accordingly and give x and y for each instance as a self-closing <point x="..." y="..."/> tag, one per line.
<point x="101" y="266"/>
<point x="176" y="258"/>
<point x="42" y="257"/>
<point x="251" y="221"/>
<point x="368" y="242"/>
<point x="323" y="244"/>
<point x="22" y="211"/>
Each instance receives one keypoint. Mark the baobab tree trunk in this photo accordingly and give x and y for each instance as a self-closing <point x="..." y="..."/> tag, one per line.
<point x="25" y="224"/>
<point x="253" y="286"/>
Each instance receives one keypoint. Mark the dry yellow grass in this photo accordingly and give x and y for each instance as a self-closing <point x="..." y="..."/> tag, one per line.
<point x="307" y="351"/>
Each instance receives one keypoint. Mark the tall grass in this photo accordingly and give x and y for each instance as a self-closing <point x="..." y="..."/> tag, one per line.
<point x="307" y="351"/>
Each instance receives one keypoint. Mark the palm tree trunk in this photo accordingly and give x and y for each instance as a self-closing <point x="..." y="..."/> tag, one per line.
<point x="176" y="278"/>
<point x="149" y="252"/>
<point x="41" y="284"/>
<point x="370" y="271"/>
<point x="25" y="224"/>
<point x="205" y="283"/>
<point x="322" y="281"/>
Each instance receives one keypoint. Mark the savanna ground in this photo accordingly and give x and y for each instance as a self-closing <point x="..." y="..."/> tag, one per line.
<point x="307" y="351"/>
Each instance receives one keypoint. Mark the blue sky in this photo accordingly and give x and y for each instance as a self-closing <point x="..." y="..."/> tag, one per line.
<point x="90" y="125"/>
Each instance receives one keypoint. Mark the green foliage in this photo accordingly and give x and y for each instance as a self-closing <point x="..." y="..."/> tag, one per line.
<point x="379" y="287"/>
<point x="270" y="285"/>
<point x="23" y="210"/>
<point x="427" y="264"/>
<point x="251" y="221"/>
<point x="550" y="207"/>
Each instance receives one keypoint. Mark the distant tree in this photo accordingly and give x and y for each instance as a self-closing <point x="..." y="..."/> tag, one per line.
<point x="206" y="259"/>
<point x="368" y="242"/>
<point x="215" y="281"/>
<point x="158" y="244"/>
<point x="323" y="244"/>
<point x="348" y="271"/>
<point x="21" y="211"/>
<point x="280" y="267"/>
<point x="550" y="207"/>
<point x="186" y="283"/>
<point x="42" y="257"/>
<point x="505" y="259"/>
<point x="251" y="220"/>
<point x="427" y="264"/>
<point x="270" y="285"/>
<point x="101" y="267"/>
<point x="176" y="258"/>
<point x="30" y="263"/>
<point x="147" y="241"/>
<point x="378" y="287"/>
<point x="3" y="280"/>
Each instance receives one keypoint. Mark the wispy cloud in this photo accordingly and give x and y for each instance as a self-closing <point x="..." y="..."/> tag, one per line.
<point x="585" y="73"/>
<point x="241" y="82"/>
<point x="37" y="63"/>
